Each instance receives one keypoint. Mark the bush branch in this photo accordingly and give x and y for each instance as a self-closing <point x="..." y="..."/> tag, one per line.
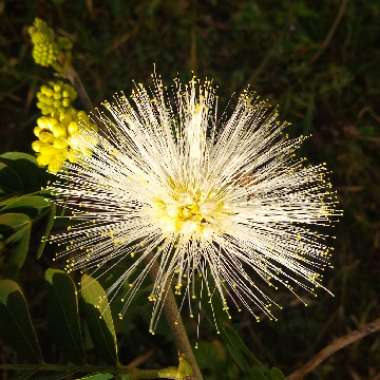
<point x="330" y="34"/>
<point x="333" y="347"/>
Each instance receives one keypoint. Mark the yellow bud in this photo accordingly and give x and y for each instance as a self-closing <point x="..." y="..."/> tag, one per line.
<point x="46" y="137"/>
<point x="43" y="160"/>
<point x="43" y="122"/>
<point x="55" y="165"/>
<point x="37" y="145"/>
<point x="48" y="150"/>
<point x="58" y="130"/>
<point x="66" y="102"/>
<point x="72" y="128"/>
<point x="37" y="130"/>
<point x="49" y="101"/>
<point x="60" y="143"/>
<point x="46" y="90"/>
<point x="67" y="116"/>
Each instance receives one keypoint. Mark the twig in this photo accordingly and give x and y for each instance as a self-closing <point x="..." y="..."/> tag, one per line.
<point x="266" y="60"/>
<point x="330" y="34"/>
<point x="123" y="39"/>
<point x="71" y="74"/>
<point x="140" y="360"/>
<point x="333" y="347"/>
<point x="368" y="109"/>
<point x="175" y="321"/>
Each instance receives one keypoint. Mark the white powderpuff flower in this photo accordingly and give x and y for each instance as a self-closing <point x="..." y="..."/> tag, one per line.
<point x="221" y="206"/>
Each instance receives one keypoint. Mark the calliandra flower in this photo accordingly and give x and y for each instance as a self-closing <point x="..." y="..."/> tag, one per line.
<point x="223" y="206"/>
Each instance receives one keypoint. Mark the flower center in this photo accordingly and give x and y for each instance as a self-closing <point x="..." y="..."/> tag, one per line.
<point x="192" y="213"/>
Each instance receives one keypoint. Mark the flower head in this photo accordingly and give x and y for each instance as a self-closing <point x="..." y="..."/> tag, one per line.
<point x="55" y="97"/>
<point x="47" y="46"/>
<point x="60" y="138"/>
<point x="221" y="206"/>
<point x="60" y="131"/>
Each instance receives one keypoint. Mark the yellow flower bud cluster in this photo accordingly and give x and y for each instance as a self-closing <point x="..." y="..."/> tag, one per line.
<point x="62" y="137"/>
<point x="55" y="97"/>
<point x="47" y="46"/>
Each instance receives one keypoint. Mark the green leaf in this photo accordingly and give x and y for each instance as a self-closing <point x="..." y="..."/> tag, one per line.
<point x="257" y="373"/>
<point x="31" y="205"/>
<point x="10" y="181"/>
<point x="36" y="207"/>
<point x="238" y="350"/>
<point x="49" y="225"/>
<point x="99" y="318"/>
<point x="210" y="355"/>
<point x="15" y="323"/>
<point x="17" y="229"/>
<point x="98" y="376"/>
<point x="25" y="166"/>
<point x="276" y="374"/>
<point x="12" y="221"/>
<point x="63" y="314"/>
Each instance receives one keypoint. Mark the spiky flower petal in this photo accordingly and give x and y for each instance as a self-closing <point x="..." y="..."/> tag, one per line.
<point x="222" y="205"/>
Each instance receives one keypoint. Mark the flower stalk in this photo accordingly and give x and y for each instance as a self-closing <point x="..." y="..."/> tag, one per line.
<point x="177" y="326"/>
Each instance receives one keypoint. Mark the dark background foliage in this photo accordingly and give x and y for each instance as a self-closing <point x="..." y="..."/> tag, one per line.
<point x="329" y="88"/>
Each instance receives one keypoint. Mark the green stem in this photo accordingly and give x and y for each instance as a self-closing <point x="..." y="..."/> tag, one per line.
<point x="177" y="326"/>
<point x="134" y="374"/>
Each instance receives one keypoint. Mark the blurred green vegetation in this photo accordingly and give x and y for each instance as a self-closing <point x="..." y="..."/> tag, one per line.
<point x="327" y="87"/>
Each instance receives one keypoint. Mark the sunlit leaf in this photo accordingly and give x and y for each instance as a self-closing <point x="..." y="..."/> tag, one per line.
<point x="99" y="318"/>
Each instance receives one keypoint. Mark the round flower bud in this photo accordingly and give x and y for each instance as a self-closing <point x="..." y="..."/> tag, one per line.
<point x="36" y="145"/>
<point x="46" y="137"/>
<point x="60" y="143"/>
<point x="55" y="97"/>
